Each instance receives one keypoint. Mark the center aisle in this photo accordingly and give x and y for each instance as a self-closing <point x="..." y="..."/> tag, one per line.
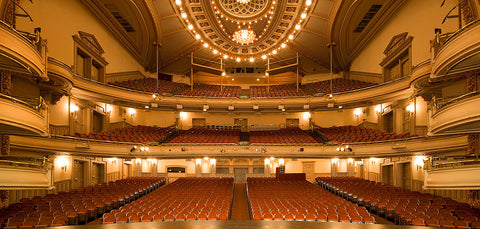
<point x="240" y="203"/>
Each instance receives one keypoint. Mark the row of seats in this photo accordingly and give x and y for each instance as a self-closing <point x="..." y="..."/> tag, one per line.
<point x="403" y="206"/>
<point x="283" y="90"/>
<point x="208" y="90"/>
<point x="337" y="85"/>
<point x="350" y="134"/>
<point x="300" y="200"/>
<point x="285" y="136"/>
<point x="185" y="199"/>
<point x="136" y="134"/>
<point x="78" y="206"/>
<point x="200" y="135"/>
<point x="150" y="85"/>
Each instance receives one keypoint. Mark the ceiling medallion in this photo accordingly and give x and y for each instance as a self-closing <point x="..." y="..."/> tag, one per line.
<point x="244" y="36"/>
<point x="244" y="30"/>
<point x="245" y="10"/>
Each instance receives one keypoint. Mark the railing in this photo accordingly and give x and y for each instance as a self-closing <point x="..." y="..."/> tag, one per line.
<point x="442" y="39"/>
<point x="94" y="140"/>
<point x="454" y="164"/>
<point x="37" y="163"/>
<point x="34" y="103"/>
<point x="439" y="103"/>
<point x="31" y="38"/>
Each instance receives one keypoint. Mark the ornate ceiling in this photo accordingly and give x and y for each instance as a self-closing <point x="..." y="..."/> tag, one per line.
<point x="243" y="30"/>
<point x="278" y="28"/>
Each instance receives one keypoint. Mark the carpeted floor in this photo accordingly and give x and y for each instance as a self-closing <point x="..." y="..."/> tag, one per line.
<point x="240" y="203"/>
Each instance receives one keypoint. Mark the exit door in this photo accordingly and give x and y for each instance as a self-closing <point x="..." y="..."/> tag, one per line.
<point x="78" y="174"/>
<point x="240" y="175"/>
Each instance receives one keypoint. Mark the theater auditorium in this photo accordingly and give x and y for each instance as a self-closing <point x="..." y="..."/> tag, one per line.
<point x="240" y="113"/>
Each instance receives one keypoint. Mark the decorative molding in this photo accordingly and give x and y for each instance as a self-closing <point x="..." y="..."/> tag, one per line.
<point x="89" y="43"/>
<point x="397" y="45"/>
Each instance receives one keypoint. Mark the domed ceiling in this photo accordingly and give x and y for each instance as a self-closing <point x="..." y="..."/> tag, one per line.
<point x="246" y="30"/>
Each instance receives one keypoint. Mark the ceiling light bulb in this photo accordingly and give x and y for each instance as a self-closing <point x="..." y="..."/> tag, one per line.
<point x="258" y="79"/>
<point x="184" y="15"/>
<point x="297" y="27"/>
<point x="223" y="73"/>
<point x="197" y="36"/>
<point x="308" y="2"/>
<point x="243" y="1"/>
<point x="264" y="57"/>
<point x="283" y="45"/>
<point x="178" y="2"/>
<point x="215" y="51"/>
<point x="303" y="16"/>
<point x="290" y="36"/>
<point x="225" y="56"/>
<point x="205" y="45"/>
<point x="190" y="26"/>
<point x="274" y="51"/>
<point x="251" y="59"/>
<point x="238" y="59"/>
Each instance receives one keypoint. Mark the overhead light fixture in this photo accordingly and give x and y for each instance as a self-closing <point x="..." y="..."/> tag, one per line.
<point x="281" y="107"/>
<point x="306" y="106"/>
<point x="244" y="36"/>
<point x="231" y="108"/>
<point x="255" y="107"/>
<point x="206" y="107"/>
<point x="179" y="106"/>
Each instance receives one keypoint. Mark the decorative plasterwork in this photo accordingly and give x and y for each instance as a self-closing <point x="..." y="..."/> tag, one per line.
<point x="245" y="11"/>
<point x="214" y="23"/>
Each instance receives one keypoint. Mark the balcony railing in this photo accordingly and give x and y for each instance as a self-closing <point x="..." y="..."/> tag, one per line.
<point x="38" y="104"/>
<point x="439" y="103"/>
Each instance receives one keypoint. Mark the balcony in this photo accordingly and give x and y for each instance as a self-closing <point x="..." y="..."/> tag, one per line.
<point x="22" y="52"/>
<point x="456" y="116"/>
<point x="23" y="116"/>
<point x="458" y="52"/>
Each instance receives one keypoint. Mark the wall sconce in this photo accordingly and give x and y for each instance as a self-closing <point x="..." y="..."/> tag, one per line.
<point x="113" y="160"/>
<point x="138" y="161"/>
<point x="183" y="115"/>
<point x="109" y="108"/>
<point x="419" y="162"/>
<point x="131" y="112"/>
<point x="62" y="163"/>
<point x="152" y="161"/>
<point x="411" y="108"/>
<point x="350" y="160"/>
<point x="378" y="109"/>
<point x="306" y="115"/>
<point x="267" y="161"/>
<point x="198" y="161"/>
<point x="335" y="161"/>
<point x="74" y="108"/>
<point x="213" y="161"/>
<point x="357" y="112"/>
<point x="281" y="162"/>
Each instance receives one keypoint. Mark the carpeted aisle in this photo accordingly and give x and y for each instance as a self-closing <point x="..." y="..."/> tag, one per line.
<point x="240" y="203"/>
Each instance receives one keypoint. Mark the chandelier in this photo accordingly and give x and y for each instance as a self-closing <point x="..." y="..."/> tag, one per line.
<point x="244" y="36"/>
<point x="243" y="1"/>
